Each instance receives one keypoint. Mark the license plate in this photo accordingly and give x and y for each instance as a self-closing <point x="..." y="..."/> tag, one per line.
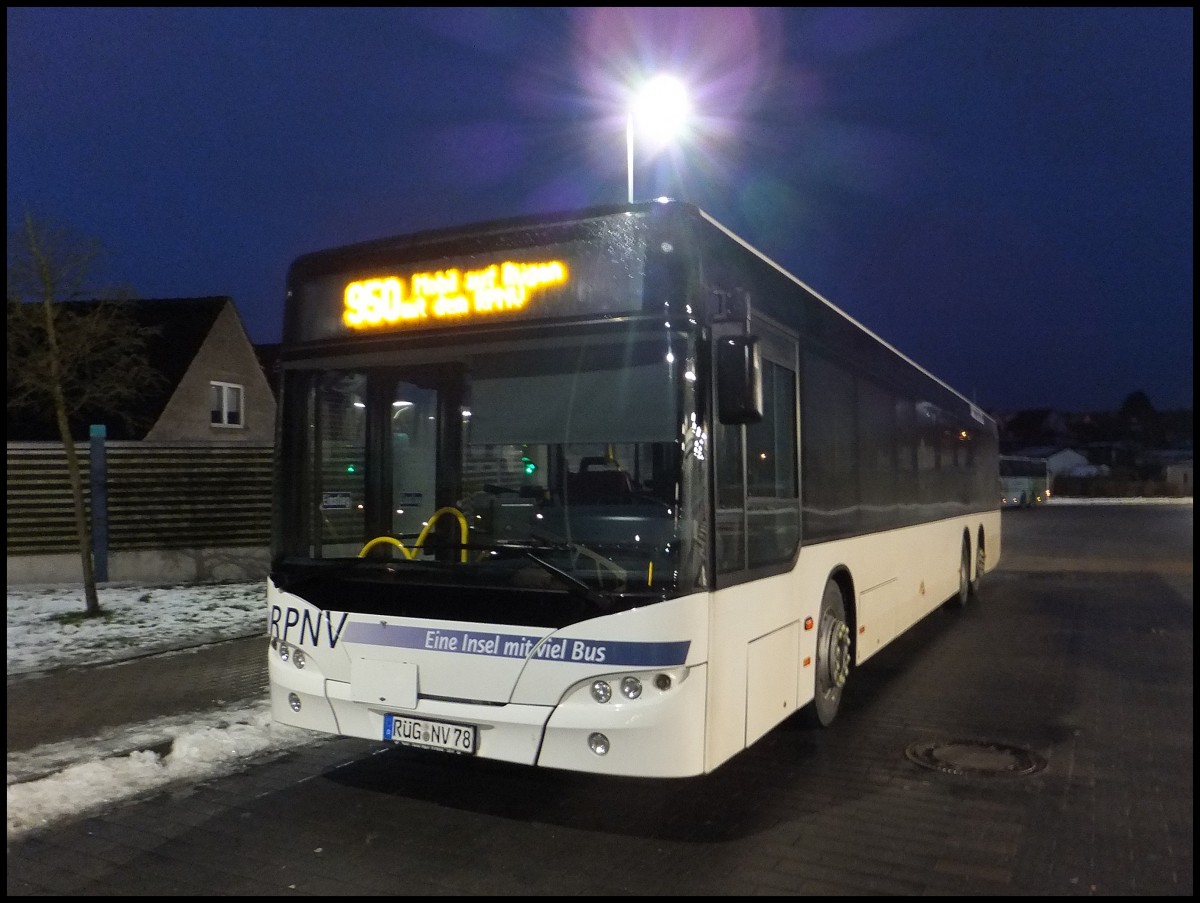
<point x="443" y="735"/>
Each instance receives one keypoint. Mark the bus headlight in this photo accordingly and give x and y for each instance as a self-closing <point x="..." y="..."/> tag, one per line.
<point x="631" y="687"/>
<point x="598" y="743"/>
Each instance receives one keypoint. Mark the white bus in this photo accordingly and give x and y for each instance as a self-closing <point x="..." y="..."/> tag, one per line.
<point x="1024" y="482"/>
<point x="605" y="491"/>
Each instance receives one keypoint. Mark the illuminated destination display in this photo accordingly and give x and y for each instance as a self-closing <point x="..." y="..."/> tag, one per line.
<point x="391" y="301"/>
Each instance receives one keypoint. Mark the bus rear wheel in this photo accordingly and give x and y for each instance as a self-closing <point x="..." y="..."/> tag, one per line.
<point x="980" y="563"/>
<point x="964" y="576"/>
<point x="833" y="657"/>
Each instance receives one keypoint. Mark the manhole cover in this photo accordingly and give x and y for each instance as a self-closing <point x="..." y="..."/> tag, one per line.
<point x="976" y="758"/>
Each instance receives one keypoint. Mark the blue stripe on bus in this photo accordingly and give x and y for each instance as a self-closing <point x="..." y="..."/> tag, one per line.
<point x="515" y="645"/>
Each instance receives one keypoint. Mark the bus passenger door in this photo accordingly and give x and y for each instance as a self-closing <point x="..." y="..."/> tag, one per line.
<point x="425" y="441"/>
<point x="413" y="435"/>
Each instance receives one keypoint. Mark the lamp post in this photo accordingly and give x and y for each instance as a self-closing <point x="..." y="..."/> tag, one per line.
<point x="629" y="152"/>
<point x="661" y="104"/>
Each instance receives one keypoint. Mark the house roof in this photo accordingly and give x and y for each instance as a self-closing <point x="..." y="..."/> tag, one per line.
<point x="1047" y="451"/>
<point x="269" y="360"/>
<point x="181" y="324"/>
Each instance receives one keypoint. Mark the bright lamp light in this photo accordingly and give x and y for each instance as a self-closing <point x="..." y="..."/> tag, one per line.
<point x="659" y="111"/>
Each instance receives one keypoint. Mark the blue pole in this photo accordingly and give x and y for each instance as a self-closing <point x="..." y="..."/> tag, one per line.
<point x="98" y="466"/>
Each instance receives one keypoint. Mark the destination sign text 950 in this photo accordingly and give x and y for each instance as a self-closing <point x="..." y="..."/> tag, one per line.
<point x="391" y="301"/>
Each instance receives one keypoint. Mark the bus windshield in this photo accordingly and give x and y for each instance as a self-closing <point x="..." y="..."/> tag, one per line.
<point x="1022" y="467"/>
<point x="555" y="467"/>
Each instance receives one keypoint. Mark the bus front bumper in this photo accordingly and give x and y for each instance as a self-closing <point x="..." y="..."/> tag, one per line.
<point x="658" y="734"/>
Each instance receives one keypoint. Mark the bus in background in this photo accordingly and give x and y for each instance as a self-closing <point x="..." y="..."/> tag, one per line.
<point x="606" y="491"/>
<point x="1024" y="482"/>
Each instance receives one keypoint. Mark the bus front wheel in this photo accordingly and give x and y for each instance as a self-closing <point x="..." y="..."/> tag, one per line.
<point x="833" y="657"/>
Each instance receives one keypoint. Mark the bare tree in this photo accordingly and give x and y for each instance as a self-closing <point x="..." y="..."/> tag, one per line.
<point x="70" y="358"/>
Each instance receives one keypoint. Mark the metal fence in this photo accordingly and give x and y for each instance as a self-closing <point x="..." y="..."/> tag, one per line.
<point x="160" y="496"/>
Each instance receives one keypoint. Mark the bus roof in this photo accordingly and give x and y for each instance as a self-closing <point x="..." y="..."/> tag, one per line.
<point x="321" y="261"/>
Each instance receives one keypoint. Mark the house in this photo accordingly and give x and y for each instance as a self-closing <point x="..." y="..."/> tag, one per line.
<point x="1170" y="464"/>
<point x="1179" y="475"/>
<point x="214" y="389"/>
<point x="1060" y="461"/>
<point x="188" y="485"/>
<point x="269" y="358"/>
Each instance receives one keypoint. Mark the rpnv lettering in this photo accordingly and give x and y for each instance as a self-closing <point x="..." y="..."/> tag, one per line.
<point x="307" y="625"/>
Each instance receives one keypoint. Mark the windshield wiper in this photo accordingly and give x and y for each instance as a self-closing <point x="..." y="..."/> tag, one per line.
<point x="574" y="583"/>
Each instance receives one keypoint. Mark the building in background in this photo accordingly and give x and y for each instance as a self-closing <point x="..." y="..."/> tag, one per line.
<point x="188" y="486"/>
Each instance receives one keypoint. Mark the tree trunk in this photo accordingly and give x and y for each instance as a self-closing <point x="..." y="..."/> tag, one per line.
<point x="82" y="527"/>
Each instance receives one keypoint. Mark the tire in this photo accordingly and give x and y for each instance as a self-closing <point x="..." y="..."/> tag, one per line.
<point x="980" y="566"/>
<point x="833" y="658"/>
<point x="964" y="576"/>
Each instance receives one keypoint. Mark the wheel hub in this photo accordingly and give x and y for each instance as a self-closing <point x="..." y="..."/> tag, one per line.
<point x="836" y="659"/>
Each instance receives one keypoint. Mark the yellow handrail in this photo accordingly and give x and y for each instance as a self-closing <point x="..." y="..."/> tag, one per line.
<point x="462" y="527"/>
<point x="409" y="553"/>
<point x="384" y="539"/>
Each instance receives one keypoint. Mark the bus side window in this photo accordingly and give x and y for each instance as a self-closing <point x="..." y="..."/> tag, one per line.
<point x="731" y="498"/>
<point x="773" y="491"/>
<point x="758" y="516"/>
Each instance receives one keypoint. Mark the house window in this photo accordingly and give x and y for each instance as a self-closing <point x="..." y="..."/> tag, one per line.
<point x="226" y="404"/>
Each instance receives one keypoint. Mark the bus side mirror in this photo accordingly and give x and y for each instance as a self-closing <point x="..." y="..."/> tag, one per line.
<point x="739" y="379"/>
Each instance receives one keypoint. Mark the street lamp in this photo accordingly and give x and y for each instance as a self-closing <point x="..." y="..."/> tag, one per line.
<point x="661" y="106"/>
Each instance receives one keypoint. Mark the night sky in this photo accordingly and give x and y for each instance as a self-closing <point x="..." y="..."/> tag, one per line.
<point x="1005" y="195"/>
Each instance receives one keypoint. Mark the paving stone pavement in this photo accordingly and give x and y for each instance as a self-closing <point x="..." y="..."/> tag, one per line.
<point x="1090" y="668"/>
<point x="78" y="702"/>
